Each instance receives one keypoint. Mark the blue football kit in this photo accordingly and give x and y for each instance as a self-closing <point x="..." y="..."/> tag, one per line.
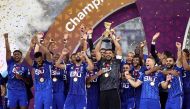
<point x="43" y="98"/>
<point x="77" y="95"/>
<point x="17" y="94"/>
<point x="150" y="90"/>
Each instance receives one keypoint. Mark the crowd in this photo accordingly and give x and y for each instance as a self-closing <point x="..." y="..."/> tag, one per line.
<point x="102" y="79"/>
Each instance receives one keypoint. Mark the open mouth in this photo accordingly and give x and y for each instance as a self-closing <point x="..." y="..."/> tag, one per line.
<point x="147" y="65"/>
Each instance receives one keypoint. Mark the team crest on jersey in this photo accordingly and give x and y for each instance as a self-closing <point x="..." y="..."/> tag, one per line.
<point x="18" y="70"/>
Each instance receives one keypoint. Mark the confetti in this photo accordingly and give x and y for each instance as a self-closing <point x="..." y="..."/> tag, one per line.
<point x="21" y="18"/>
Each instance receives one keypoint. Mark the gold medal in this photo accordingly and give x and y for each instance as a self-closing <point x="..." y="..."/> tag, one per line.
<point x="169" y="86"/>
<point x="75" y="79"/>
<point x="106" y="75"/>
<point x="152" y="83"/>
<point x="54" y="79"/>
<point x="88" y="85"/>
<point x="41" y="80"/>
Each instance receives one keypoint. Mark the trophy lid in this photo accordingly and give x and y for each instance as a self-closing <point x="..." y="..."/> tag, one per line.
<point x="107" y="25"/>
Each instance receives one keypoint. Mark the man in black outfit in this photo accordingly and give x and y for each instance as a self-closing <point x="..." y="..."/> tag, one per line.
<point x="110" y="78"/>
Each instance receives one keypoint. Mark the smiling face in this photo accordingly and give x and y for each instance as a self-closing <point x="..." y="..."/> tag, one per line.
<point x="102" y="51"/>
<point x="150" y="63"/>
<point x="126" y="67"/>
<point x="17" y="56"/>
<point x="109" y="55"/>
<point x="129" y="57"/>
<point x="39" y="61"/>
<point x="170" y="63"/>
<point x="136" y="61"/>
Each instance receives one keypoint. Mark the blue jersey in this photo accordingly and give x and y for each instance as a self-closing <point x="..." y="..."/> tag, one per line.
<point x="150" y="85"/>
<point x="58" y="79"/>
<point x="13" y="69"/>
<point x="93" y="89"/>
<point x="42" y="72"/>
<point x="127" y="91"/>
<point x="186" y="81"/>
<point x="136" y="74"/>
<point x="176" y="84"/>
<point x="77" y="78"/>
<point x="94" y="85"/>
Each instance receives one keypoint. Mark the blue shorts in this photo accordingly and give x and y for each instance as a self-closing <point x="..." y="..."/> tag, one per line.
<point x="174" y="103"/>
<point x="75" y="102"/>
<point x="17" y="98"/>
<point x="128" y="104"/>
<point x="43" y="98"/>
<point x="58" y="100"/>
<point x="93" y="101"/>
<point x="150" y="104"/>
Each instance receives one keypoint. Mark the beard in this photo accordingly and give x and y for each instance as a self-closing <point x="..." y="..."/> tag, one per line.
<point x="94" y="59"/>
<point x="169" y="66"/>
<point x="135" y="64"/>
<point x="78" y="59"/>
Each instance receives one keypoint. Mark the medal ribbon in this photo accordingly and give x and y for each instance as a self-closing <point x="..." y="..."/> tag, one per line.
<point x="41" y="75"/>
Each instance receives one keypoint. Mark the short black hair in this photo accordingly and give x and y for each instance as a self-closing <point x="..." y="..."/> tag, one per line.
<point x="140" y="59"/>
<point x="151" y="57"/>
<point x="108" y="50"/>
<point x="187" y="52"/>
<point x="172" y="58"/>
<point x="17" y="51"/>
<point x="167" y="53"/>
<point x="102" y="49"/>
<point x="38" y="54"/>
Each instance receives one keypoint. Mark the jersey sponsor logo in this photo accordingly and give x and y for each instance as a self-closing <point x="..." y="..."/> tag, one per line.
<point x="125" y="85"/>
<point x="39" y="71"/>
<point x="75" y="74"/>
<point x="149" y="78"/>
<point x="56" y="72"/>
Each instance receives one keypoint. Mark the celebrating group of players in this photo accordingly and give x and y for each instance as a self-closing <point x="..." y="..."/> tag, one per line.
<point x="100" y="80"/>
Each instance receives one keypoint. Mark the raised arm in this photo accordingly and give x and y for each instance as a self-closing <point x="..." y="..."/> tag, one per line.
<point x="153" y="47"/>
<point x="51" y="41"/>
<point x="90" y="66"/>
<point x="90" y="42"/>
<point x="28" y="59"/>
<point x="46" y="51"/>
<point x="117" y="46"/>
<point x="83" y="42"/>
<point x="179" y="55"/>
<point x="59" y="63"/>
<point x="7" y="46"/>
<point x="97" y="49"/>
